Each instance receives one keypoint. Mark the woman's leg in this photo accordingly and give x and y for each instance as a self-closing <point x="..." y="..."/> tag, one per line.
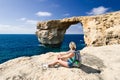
<point x="62" y="63"/>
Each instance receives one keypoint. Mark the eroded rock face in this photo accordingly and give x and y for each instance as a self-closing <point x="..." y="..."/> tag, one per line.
<point x="98" y="30"/>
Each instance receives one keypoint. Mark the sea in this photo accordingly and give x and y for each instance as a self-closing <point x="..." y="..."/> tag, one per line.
<point x="18" y="45"/>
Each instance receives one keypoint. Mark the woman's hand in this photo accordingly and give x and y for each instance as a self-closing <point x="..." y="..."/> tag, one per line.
<point x="59" y="56"/>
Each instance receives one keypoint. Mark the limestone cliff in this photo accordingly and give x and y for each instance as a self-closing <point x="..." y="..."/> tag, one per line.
<point x="98" y="63"/>
<point x="98" y="30"/>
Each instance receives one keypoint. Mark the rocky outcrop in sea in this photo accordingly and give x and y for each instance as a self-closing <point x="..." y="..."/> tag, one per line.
<point x="98" y="30"/>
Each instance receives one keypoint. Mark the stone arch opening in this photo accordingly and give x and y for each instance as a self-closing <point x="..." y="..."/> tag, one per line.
<point x="74" y="33"/>
<point x="75" y="29"/>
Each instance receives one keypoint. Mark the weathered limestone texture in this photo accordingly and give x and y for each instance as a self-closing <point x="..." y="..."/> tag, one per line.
<point x="98" y="30"/>
<point x="98" y="63"/>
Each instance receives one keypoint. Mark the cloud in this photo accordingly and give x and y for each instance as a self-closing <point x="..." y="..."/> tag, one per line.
<point x="98" y="10"/>
<point x="29" y="21"/>
<point x="43" y="14"/>
<point x="10" y="29"/>
<point x="67" y="14"/>
<point x="22" y="19"/>
<point x="32" y="21"/>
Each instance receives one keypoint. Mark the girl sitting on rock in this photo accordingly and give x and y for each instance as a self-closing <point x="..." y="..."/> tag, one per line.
<point x="69" y="59"/>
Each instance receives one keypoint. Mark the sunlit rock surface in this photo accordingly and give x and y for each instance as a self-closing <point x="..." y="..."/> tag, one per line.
<point x="98" y="63"/>
<point x="98" y="30"/>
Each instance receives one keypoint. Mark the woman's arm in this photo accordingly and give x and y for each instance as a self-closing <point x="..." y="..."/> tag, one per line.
<point x="67" y="56"/>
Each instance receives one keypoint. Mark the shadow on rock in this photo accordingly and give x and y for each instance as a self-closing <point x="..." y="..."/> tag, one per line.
<point x="89" y="69"/>
<point x="92" y="60"/>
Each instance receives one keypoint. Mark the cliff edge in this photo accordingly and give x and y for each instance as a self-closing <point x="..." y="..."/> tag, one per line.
<point x="98" y="63"/>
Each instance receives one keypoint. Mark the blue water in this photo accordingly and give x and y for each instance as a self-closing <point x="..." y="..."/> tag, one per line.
<point x="16" y="45"/>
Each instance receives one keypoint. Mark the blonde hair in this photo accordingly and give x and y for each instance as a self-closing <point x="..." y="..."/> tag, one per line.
<point x="72" y="45"/>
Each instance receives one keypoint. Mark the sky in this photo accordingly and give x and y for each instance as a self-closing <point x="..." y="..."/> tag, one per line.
<point x="21" y="16"/>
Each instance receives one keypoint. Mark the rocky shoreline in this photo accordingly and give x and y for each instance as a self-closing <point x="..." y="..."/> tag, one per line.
<point x="98" y="63"/>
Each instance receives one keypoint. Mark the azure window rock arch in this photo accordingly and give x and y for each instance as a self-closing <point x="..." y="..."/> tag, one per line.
<point x="98" y="30"/>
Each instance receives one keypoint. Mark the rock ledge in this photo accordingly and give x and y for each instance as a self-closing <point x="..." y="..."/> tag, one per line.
<point x="98" y="63"/>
